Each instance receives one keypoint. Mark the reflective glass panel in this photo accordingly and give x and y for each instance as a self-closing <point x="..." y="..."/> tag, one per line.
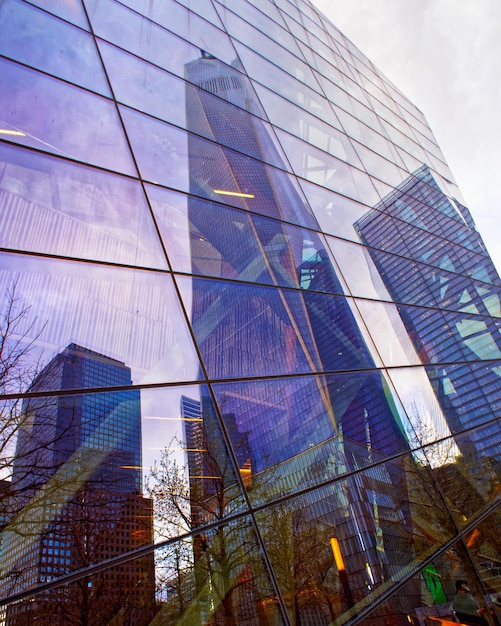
<point x="215" y="240"/>
<point x="334" y="546"/>
<point x="143" y="36"/>
<point x="127" y="315"/>
<point x="323" y="169"/>
<point x="57" y="207"/>
<point x="65" y="120"/>
<point x="28" y="36"/>
<point x="189" y="163"/>
<point x="91" y="528"/>
<point x="71" y="11"/>
<point x="295" y="433"/>
<point x="262" y="331"/>
<point x="217" y="577"/>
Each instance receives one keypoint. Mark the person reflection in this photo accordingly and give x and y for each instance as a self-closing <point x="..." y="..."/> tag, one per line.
<point x="465" y="606"/>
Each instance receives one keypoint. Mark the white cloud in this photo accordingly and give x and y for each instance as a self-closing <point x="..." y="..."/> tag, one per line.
<point x="445" y="56"/>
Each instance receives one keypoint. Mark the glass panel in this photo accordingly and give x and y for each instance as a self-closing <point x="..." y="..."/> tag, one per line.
<point x="389" y="334"/>
<point x="211" y="239"/>
<point x="148" y="34"/>
<point x="425" y="599"/>
<point x="379" y="167"/>
<point x="66" y="120"/>
<point x="203" y="8"/>
<point x="485" y="550"/>
<point x="335" y="213"/>
<point x="309" y="128"/>
<point x="355" y="264"/>
<point x="374" y="138"/>
<point x="286" y="115"/>
<point x="470" y="396"/>
<point x="144" y="86"/>
<point x="129" y="316"/>
<point x="334" y="546"/>
<point x="116" y="23"/>
<point x="261" y="331"/>
<point x="53" y="206"/>
<point x="188" y="163"/>
<point x="276" y="80"/>
<point x="430" y="595"/>
<point x="187" y="25"/>
<point x="71" y="11"/>
<point x="277" y="44"/>
<point x="288" y="8"/>
<point x="295" y="433"/>
<point x="29" y="35"/>
<point x="450" y="337"/>
<point x="210" y="109"/>
<point x="265" y="17"/>
<point x="426" y="418"/>
<point x="323" y="169"/>
<point x="192" y="479"/>
<point x="307" y="31"/>
<point x="244" y="330"/>
<point x="469" y="479"/>
<point x="89" y="530"/>
<point x="217" y="577"/>
<point x="228" y="123"/>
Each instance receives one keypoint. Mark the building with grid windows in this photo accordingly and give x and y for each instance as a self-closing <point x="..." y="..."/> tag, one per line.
<point x="231" y="199"/>
<point x="78" y="457"/>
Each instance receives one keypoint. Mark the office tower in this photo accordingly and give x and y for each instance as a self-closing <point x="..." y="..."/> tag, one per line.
<point x="233" y="201"/>
<point x="79" y="456"/>
<point x="262" y="250"/>
<point x="428" y="252"/>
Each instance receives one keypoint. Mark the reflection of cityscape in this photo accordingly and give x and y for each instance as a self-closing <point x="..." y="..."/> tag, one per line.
<point x="429" y="253"/>
<point x="76" y="485"/>
<point x="246" y="331"/>
<point x="216" y="200"/>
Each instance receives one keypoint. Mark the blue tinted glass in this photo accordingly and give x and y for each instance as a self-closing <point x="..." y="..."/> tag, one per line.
<point x="57" y="207"/>
<point x="50" y="115"/>
<point x="189" y="163"/>
<point x="129" y="315"/>
<point x="144" y="86"/>
<point x="214" y="240"/>
<point x="284" y="331"/>
<point x="72" y="11"/>
<point x="29" y="34"/>
<point x="300" y="421"/>
<point x="149" y="36"/>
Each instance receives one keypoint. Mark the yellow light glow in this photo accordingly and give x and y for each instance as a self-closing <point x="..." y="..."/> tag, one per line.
<point x="233" y="193"/>
<point x="338" y="557"/>
<point x="6" y="131"/>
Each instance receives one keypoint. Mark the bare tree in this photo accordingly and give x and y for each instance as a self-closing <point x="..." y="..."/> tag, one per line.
<point x="18" y="369"/>
<point x="448" y="490"/>
<point x="62" y="506"/>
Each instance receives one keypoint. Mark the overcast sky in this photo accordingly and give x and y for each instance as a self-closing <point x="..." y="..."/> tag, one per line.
<point x="445" y="55"/>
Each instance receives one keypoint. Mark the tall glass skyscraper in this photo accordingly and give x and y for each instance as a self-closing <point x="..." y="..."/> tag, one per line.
<point x="79" y="457"/>
<point x="230" y="199"/>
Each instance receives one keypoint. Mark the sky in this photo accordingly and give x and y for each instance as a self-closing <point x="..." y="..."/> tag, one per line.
<point x="445" y="56"/>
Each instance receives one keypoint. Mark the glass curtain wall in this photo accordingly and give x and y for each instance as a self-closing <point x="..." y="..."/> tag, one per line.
<point x="250" y="348"/>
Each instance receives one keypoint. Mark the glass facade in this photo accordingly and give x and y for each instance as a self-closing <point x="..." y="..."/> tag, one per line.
<point x="250" y="349"/>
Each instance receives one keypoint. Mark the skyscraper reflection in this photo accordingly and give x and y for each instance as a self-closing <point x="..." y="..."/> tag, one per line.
<point x="76" y="485"/>
<point x="250" y="331"/>
<point x="429" y="253"/>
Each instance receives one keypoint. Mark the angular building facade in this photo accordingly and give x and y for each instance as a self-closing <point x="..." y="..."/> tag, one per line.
<point x="232" y="200"/>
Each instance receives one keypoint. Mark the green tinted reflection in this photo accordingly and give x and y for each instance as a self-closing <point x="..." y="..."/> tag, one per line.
<point x="217" y="577"/>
